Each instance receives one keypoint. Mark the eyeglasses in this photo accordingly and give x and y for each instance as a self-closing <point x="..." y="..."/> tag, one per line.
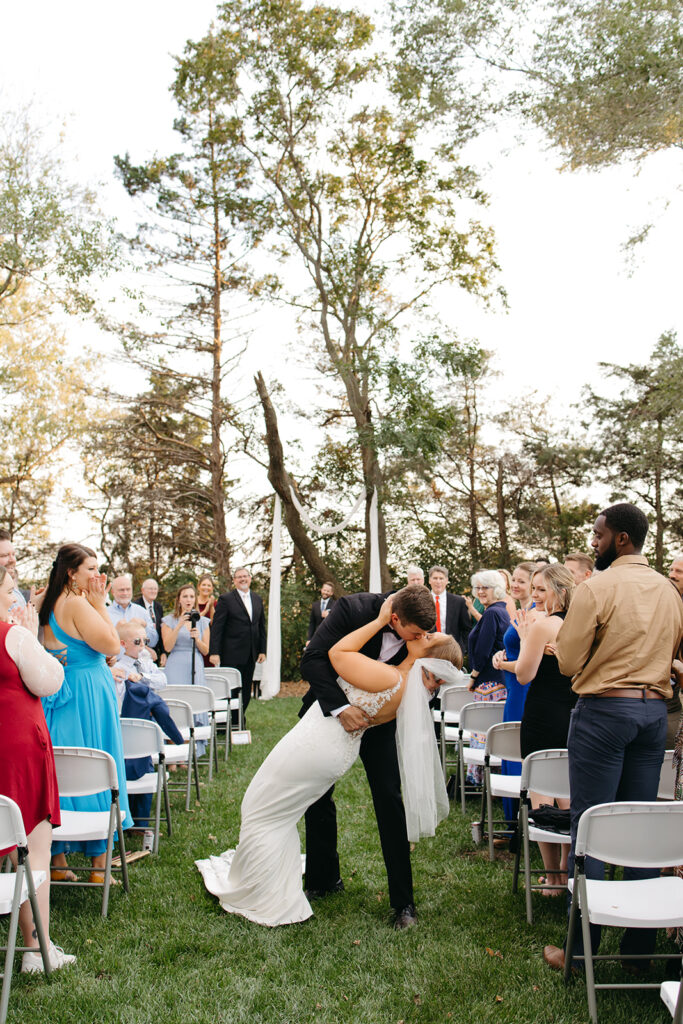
<point x="138" y="642"/>
<point x="483" y="588"/>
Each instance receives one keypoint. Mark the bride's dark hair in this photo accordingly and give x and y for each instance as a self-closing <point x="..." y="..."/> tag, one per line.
<point x="447" y="650"/>
<point x="69" y="557"/>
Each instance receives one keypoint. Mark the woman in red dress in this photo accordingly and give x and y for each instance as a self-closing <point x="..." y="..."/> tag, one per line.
<point x="27" y="765"/>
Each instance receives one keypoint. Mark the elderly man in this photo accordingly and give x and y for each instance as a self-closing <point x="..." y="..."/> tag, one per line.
<point x="123" y="610"/>
<point x="415" y="576"/>
<point x="148" y="600"/>
<point x="580" y="566"/>
<point x="619" y="639"/>
<point x="238" y="631"/>
<point x="9" y="561"/>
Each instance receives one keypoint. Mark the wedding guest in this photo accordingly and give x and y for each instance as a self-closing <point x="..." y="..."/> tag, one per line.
<point x="238" y="636"/>
<point x="8" y="561"/>
<point x="134" y="658"/>
<point x="550" y="699"/>
<point x="622" y="632"/>
<point x="516" y="693"/>
<point x="415" y="576"/>
<point x="149" y="592"/>
<point x="78" y="632"/>
<point x="509" y="600"/>
<point x="581" y="566"/>
<point x="206" y="604"/>
<point x="487" y="682"/>
<point x="474" y="605"/>
<point x="27" y="764"/>
<point x="320" y="609"/>
<point x="451" y="609"/>
<point x="180" y="637"/>
<point x="122" y="609"/>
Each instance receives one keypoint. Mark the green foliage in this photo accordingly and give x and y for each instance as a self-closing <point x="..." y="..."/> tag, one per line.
<point x="640" y="437"/>
<point x="49" y="234"/>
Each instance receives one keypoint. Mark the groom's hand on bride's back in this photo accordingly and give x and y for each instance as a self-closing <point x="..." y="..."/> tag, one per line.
<point x="353" y="718"/>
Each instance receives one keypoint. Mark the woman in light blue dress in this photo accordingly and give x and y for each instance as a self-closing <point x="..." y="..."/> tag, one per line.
<point x="177" y="635"/>
<point x="84" y="712"/>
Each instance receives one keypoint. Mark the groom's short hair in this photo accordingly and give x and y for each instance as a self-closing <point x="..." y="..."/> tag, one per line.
<point x="415" y="606"/>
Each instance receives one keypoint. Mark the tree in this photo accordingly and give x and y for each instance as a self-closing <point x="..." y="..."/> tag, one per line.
<point x="49" y="235"/>
<point x="376" y="213"/>
<point x="602" y="79"/>
<point x="640" y="436"/>
<point x="204" y="222"/>
<point x="42" y="411"/>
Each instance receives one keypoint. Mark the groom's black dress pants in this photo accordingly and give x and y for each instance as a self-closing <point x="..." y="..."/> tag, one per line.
<point x="380" y="759"/>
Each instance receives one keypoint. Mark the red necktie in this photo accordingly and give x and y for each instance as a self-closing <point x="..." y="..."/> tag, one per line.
<point x="438" y="614"/>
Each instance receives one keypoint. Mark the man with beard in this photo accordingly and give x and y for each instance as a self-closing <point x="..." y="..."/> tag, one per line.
<point x="621" y="634"/>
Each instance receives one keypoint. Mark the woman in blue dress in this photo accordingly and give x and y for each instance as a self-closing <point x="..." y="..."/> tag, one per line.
<point x="177" y="635"/>
<point x="84" y="713"/>
<point x="516" y="694"/>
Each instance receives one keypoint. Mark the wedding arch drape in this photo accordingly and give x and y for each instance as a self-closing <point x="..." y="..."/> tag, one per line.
<point x="270" y="680"/>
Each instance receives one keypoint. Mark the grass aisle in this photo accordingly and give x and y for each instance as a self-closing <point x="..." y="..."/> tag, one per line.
<point x="167" y="952"/>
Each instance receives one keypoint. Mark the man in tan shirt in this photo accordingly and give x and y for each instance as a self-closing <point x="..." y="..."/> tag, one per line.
<point x="621" y="634"/>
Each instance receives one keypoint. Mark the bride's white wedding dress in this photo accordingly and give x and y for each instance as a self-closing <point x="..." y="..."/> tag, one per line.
<point x="261" y="880"/>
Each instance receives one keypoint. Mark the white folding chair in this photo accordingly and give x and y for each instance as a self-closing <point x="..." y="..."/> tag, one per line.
<point x="145" y="739"/>
<point x="234" y="677"/>
<point x="202" y="702"/>
<point x="671" y="993"/>
<point x="477" y="716"/>
<point x="84" y="771"/>
<point x="502" y="744"/>
<point x="226" y="684"/>
<point x="636" y="835"/>
<point x="185" y="753"/>
<point x="15" y="888"/>
<point x="545" y="772"/>
<point x="451" y="700"/>
<point x="667" y="778"/>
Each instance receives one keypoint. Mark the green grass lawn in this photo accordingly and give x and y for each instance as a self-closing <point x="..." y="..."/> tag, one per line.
<point x="168" y="953"/>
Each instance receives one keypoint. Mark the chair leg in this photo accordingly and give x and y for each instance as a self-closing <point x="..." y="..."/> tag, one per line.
<point x="11" y="943"/>
<point x="527" y="867"/>
<point x="486" y="795"/>
<point x="518" y="852"/>
<point x="195" y="766"/>
<point x="461" y="773"/>
<point x="587" y="949"/>
<point x="214" y="742"/>
<point x="211" y="755"/>
<point x="157" y="809"/>
<point x="107" y="862"/>
<point x="122" y="847"/>
<point x="442" y="747"/>
<point x="190" y="763"/>
<point x="571" y="931"/>
<point x="167" y="804"/>
<point x="37" y="919"/>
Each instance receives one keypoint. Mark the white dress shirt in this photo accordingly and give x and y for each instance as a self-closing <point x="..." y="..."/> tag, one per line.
<point x="246" y="598"/>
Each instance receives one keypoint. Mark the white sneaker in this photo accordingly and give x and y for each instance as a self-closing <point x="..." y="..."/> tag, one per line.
<point x="33" y="961"/>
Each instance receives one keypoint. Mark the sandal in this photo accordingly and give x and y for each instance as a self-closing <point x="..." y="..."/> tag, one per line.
<point x="62" y="875"/>
<point x="97" y="878"/>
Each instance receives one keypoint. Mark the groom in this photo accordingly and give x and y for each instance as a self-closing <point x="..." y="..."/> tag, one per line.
<point x="412" y="616"/>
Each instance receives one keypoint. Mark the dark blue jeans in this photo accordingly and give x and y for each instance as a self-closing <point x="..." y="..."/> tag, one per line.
<point x="616" y="749"/>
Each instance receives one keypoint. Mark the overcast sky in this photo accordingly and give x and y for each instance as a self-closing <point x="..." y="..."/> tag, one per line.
<point x="103" y="70"/>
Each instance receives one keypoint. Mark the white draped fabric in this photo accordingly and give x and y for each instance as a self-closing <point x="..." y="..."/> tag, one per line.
<point x="422" y="785"/>
<point x="270" y="680"/>
<point x="316" y="527"/>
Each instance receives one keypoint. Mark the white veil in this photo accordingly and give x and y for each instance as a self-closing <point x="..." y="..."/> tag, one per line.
<point x="424" y="790"/>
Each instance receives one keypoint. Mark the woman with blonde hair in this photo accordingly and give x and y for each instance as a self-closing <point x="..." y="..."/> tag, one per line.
<point x="550" y="700"/>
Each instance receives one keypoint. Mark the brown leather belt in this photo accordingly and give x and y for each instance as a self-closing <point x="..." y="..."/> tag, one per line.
<point x="631" y="691"/>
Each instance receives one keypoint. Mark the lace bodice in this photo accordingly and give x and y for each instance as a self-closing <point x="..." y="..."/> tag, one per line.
<point x="370" y="703"/>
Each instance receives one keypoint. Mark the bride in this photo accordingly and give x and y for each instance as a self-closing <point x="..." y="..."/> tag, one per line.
<point x="261" y="880"/>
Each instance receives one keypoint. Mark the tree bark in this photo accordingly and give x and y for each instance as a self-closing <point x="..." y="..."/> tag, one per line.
<point x="281" y="481"/>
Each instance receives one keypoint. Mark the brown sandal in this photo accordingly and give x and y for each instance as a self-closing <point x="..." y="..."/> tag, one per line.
<point x="62" y="875"/>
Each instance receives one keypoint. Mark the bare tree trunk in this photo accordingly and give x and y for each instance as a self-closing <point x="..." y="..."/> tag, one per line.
<point x="502" y="524"/>
<point x="216" y="460"/>
<point x="281" y="481"/>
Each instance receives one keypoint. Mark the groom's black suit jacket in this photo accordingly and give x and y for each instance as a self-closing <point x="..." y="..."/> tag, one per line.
<point x="346" y="614"/>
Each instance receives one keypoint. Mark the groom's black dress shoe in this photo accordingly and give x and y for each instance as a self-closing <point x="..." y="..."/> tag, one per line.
<point x="405" y="918"/>
<point x="317" y="894"/>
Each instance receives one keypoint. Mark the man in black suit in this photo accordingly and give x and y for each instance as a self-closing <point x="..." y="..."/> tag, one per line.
<point x="320" y="609"/>
<point x="412" y="617"/>
<point x="148" y="600"/>
<point x="238" y="631"/>
<point x="451" y="609"/>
